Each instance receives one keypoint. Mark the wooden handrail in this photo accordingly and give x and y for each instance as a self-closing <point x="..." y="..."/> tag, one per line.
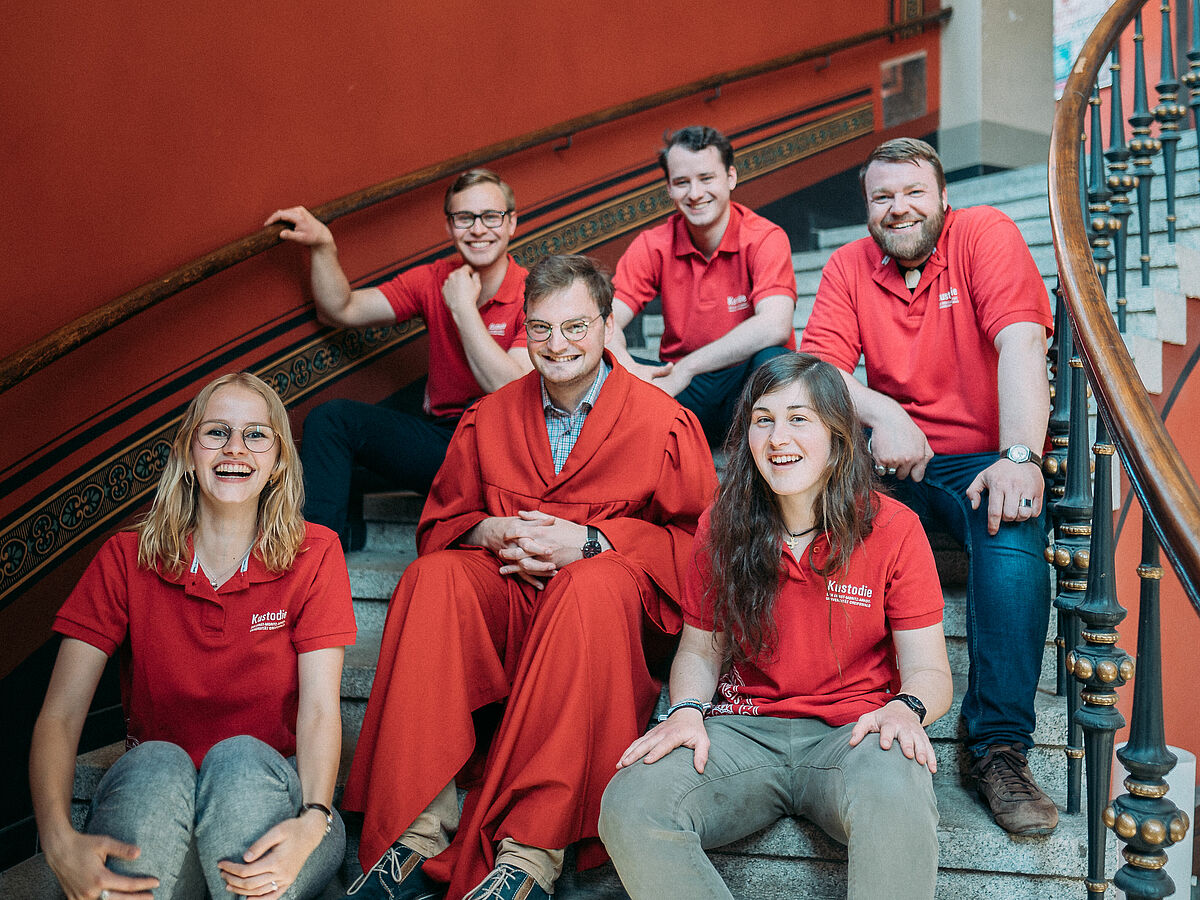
<point x="62" y="341"/>
<point x="1164" y="486"/>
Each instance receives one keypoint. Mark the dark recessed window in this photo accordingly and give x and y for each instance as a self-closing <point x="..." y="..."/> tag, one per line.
<point x="903" y="89"/>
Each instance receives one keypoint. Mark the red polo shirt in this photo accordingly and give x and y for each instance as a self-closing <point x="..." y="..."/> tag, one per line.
<point x="418" y="292"/>
<point x="933" y="350"/>
<point x="834" y="659"/>
<point x="703" y="299"/>
<point x="199" y="666"/>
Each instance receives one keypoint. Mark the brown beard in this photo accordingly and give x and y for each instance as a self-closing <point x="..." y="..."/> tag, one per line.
<point x="907" y="246"/>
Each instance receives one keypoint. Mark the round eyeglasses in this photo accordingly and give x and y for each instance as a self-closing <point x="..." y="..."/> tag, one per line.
<point x="574" y="330"/>
<point x="215" y="435"/>
<point x="491" y="218"/>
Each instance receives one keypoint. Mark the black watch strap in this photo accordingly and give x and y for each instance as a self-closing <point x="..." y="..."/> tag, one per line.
<point x="591" y="547"/>
<point x="912" y="703"/>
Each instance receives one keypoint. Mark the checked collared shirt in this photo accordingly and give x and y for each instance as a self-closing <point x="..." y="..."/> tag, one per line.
<point x="563" y="427"/>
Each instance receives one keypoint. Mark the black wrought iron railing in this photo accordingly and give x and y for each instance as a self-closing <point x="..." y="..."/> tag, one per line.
<point x="1091" y="220"/>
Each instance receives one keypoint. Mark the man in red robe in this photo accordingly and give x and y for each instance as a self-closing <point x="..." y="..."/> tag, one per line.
<point x="554" y="540"/>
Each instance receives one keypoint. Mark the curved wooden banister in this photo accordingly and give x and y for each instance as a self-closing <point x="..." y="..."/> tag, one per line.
<point x="41" y="353"/>
<point x="1162" y="482"/>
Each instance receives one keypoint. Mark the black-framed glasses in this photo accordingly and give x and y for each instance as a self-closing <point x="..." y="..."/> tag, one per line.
<point x="214" y="435"/>
<point x="573" y="330"/>
<point x="491" y="218"/>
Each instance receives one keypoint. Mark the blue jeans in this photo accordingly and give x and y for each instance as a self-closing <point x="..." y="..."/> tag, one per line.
<point x="185" y="821"/>
<point x="712" y="396"/>
<point x="657" y="820"/>
<point x="404" y="447"/>
<point x="1008" y="598"/>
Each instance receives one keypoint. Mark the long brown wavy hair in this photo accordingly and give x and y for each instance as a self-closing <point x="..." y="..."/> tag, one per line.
<point x="164" y="531"/>
<point x="746" y="524"/>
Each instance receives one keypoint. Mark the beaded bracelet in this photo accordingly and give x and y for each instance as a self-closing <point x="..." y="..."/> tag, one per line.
<point x="320" y="807"/>
<point x="690" y="703"/>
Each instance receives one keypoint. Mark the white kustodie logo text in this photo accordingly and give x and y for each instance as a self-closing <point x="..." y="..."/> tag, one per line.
<point x="853" y="594"/>
<point x="268" y="621"/>
<point x="497" y="329"/>
<point x="738" y="303"/>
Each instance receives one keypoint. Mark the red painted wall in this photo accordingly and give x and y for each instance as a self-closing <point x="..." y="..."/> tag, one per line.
<point x="140" y="135"/>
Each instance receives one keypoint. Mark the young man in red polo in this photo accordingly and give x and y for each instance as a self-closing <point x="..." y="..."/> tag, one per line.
<point x="725" y="277"/>
<point x="472" y="307"/>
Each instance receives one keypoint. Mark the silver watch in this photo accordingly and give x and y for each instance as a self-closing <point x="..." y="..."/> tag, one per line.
<point x="1019" y="453"/>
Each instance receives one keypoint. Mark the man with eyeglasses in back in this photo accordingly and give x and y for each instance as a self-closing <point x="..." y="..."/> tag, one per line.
<point x="725" y="277"/>
<point x="472" y="307"/>
<point x="554" y="546"/>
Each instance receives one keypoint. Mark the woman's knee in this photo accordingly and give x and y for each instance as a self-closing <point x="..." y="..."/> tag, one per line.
<point x="147" y="798"/>
<point x="619" y="807"/>
<point x="243" y="759"/>
<point x="151" y="770"/>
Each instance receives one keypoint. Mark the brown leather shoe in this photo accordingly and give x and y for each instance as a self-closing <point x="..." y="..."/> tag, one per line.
<point x="1018" y="805"/>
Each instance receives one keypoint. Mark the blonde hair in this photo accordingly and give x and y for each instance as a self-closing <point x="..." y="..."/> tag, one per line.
<point x="164" y="531"/>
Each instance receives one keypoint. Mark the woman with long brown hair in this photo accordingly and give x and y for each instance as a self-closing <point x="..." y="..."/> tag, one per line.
<point x="230" y="616"/>
<point x="813" y="612"/>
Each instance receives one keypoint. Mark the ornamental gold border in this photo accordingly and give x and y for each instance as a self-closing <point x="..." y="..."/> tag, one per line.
<point x="36" y="536"/>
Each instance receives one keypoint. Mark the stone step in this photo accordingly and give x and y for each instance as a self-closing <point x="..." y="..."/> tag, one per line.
<point x="373" y="577"/>
<point x="999" y="188"/>
<point x="393" y="506"/>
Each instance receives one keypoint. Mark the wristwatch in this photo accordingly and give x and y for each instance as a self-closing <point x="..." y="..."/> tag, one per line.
<point x="591" y="547"/>
<point x="1019" y="453"/>
<point x="912" y="703"/>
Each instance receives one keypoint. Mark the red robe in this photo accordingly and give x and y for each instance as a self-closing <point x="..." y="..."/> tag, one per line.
<point x="569" y="658"/>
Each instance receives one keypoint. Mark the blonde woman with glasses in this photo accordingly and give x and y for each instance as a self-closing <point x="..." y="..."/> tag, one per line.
<point x="229" y="615"/>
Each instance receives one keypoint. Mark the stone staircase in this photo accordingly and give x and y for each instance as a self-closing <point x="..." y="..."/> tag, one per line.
<point x="792" y="857"/>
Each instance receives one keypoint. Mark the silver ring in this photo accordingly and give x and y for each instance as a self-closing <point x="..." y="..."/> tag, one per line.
<point x="1026" y="503"/>
<point x="274" y="885"/>
<point x="104" y="894"/>
<point x="891" y="470"/>
<point x="880" y="469"/>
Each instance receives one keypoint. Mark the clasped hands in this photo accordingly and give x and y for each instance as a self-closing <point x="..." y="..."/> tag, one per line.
<point x="532" y="545"/>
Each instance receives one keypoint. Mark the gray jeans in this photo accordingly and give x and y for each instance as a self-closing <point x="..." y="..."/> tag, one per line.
<point x="185" y="821"/>
<point x="657" y="820"/>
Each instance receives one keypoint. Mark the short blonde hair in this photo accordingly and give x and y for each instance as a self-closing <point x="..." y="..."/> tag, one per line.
<point x="472" y="177"/>
<point x="164" y="530"/>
